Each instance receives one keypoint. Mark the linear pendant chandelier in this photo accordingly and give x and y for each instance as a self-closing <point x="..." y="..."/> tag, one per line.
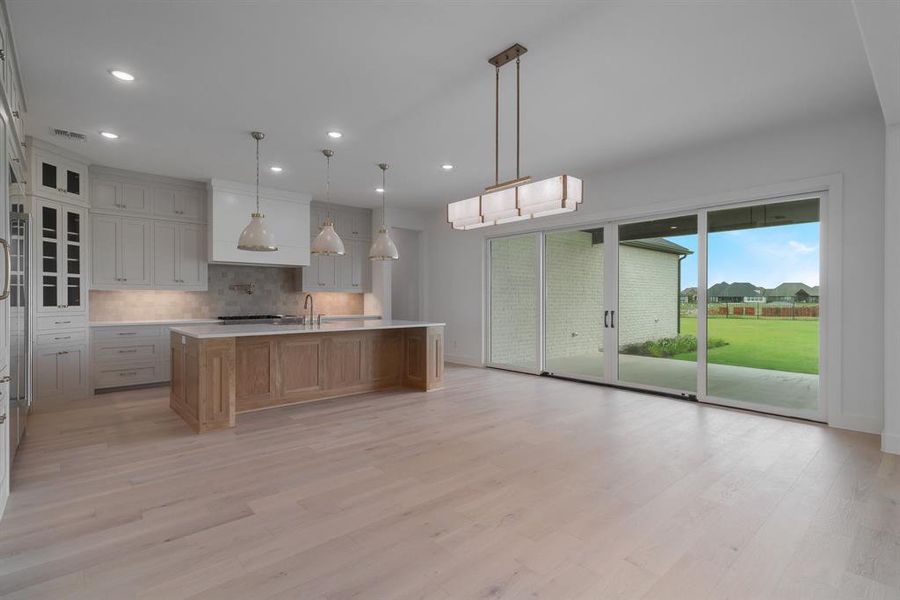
<point x="520" y="198"/>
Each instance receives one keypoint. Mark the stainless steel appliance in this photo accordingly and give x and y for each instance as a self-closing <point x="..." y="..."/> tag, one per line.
<point x="19" y="334"/>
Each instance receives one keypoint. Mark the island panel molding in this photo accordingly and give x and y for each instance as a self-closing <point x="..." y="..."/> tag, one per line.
<point x="215" y="376"/>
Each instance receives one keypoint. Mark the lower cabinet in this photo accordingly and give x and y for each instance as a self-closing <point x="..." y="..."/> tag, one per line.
<point x="60" y="374"/>
<point x="129" y="355"/>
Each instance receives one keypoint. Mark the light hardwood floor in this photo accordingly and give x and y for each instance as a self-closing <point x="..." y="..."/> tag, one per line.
<point x="499" y="486"/>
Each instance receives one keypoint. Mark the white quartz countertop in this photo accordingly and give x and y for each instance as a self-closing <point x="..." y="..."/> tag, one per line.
<point x="210" y="321"/>
<point x="219" y="330"/>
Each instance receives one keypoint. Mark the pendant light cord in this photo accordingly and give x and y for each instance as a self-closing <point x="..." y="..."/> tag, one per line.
<point x="383" y="196"/>
<point x="497" y="126"/>
<point x="328" y="185"/>
<point x="517" y="117"/>
<point x="257" y="176"/>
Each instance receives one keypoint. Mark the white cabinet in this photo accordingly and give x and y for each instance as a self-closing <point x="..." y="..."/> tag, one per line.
<point x="60" y="373"/>
<point x="121" y="252"/>
<point x="59" y="241"/>
<point x="58" y="178"/>
<point x="119" y="197"/>
<point x="178" y="203"/>
<point x="347" y="273"/>
<point x="179" y="257"/>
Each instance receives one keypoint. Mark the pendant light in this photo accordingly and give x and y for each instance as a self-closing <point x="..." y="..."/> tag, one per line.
<point x="383" y="248"/>
<point x="328" y="242"/>
<point x="519" y="198"/>
<point x="255" y="237"/>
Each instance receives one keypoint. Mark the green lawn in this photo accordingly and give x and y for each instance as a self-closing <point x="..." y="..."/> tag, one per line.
<point x="763" y="344"/>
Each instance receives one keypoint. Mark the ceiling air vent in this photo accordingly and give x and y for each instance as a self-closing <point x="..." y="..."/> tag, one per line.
<point x="69" y="135"/>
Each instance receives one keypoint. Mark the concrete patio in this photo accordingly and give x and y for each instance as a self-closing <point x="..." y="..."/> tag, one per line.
<point x="761" y="386"/>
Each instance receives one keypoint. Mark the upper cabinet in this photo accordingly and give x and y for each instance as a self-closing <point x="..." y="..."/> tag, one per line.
<point x="350" y="272"/>
<point x="286" y="216"/>
<point x="58" y="178"/>
<point x="60" y="236"/>
<point x="12" y="101"/>
<point x="115" y="191"/>
<point x="147" y="232"/>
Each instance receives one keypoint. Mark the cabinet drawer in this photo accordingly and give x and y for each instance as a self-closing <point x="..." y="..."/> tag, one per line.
<point x="128" y="332"/>
<point x="128" y="376"/>
<point x="52" y="323"/>
<point x="62" y="337"/>
<point x="135" y="351"/>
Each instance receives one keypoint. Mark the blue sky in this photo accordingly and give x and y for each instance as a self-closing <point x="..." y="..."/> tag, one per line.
<point x="766" y="256"/>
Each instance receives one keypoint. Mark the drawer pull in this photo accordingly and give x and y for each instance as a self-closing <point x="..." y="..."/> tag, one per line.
<point x="127" y="351"/>
<point x="62" y="322"/>
<point x="127" y="373"/>
<point x="65" y="337"/>
<point x="63" y="352"/>
<point x="126" y="333"/>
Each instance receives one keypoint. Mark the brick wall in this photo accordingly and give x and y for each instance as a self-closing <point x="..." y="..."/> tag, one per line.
<point x="574" y="274"/>
<point x="648" y="295"/>
<point x="514" y="310"/>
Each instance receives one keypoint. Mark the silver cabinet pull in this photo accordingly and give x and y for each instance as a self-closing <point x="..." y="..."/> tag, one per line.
<point x="5" y="379"/>
<point x="62" y="322"/>
<point x="126" y="333"/>
<point x="5" y="293"/>
<point x="67" y="337"/>
<point x="2" y="419"/>
<point x="128" y="351"/>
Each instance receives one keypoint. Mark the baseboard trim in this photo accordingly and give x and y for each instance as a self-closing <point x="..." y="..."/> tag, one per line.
<point x="857" y="423"/>
<point x="466" y="361"/>
<point x="890" y="443"/>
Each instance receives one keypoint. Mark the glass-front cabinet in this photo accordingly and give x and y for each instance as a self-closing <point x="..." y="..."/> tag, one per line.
<point x="60" y="238"/>
<point x="59" y="179"/>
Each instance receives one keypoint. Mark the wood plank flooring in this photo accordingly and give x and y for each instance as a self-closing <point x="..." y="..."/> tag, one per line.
<point x="499" y="486"/>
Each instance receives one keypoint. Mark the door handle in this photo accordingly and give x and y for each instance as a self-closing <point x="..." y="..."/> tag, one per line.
<point x="605" y="318"/>
<point x="612" y="319"/>
<point x="8" y="258"/>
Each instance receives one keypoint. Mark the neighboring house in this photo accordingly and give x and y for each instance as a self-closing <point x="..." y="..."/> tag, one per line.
<point x="739" y="291"/>
<point x="793" y="292"/>
<point x="689" y="295"/>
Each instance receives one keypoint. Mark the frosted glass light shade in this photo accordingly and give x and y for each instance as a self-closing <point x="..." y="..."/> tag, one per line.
<point x="255" y="237"/>
<point x="383" y="248"/>
<point x="500" y="205"/>
<point x="465" y="214"/>
<point x="550" y="196"/>
<point x="328" y="242"/>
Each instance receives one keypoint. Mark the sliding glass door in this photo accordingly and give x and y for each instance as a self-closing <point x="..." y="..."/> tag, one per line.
<point x="762" y="307"/>
<point x="657" y="283"/>
<point x="574" y="312"/>
<point x="720" y="305"/>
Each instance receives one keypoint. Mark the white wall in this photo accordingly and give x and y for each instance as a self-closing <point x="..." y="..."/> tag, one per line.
<point x="379" y="301"/>
<point x="890" y="441"/>
<point x="852" y="146"/>
<point x="406" y="286"/>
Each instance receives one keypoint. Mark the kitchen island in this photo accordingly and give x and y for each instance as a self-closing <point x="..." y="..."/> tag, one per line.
<point x="221" y="370"/>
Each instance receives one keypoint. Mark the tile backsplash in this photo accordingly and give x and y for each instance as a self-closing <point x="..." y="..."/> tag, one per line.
<point x="274" y="292"/>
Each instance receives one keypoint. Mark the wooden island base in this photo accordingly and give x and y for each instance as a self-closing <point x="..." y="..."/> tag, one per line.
<point x="214" y="379"/>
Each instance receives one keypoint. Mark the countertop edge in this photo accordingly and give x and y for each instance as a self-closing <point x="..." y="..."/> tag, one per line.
<point x="233" y="332"/>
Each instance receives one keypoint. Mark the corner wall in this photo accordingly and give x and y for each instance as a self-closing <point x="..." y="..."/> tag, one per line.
<point x="851" y="145"/>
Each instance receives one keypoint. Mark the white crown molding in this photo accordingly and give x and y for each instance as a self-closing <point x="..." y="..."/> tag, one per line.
<point x="114" y="173"/>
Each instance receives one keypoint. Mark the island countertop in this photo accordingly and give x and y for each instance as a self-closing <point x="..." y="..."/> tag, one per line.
<point x="218" y="330"/>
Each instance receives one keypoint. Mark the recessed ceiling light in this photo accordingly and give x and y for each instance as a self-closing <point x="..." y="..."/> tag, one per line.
<point x="276" y="169"/>
<point x="379" y="190"/>
<point x="447" y="167"/>
<point x="335" y="134"/>
<point x="123" y="75"/>
<point x="109" y="135"/>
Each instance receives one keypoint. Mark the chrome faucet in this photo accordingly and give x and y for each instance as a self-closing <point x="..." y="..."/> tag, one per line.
<point x="308" y="302"/>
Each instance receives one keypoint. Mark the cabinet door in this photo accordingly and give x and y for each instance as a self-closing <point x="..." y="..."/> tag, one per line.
<point x="49" y="240"/>
<point x="357" y="263"/>
<point x="189" y="204"/>
<point x="73" y="248"/>
<point x="165" y="253"/>
<point x="47" y="176"/>
<point x="192" y="255"/>
<point x="104" y="250"/>
<point x="136" y="248"/>
<point x="48" y="380"/>
<point x="72" y="365"/>
<point x="164" y="202"/>
<point x="71" y="180"/>
<point x="135" y="198"/>
<point x="326" y="272"/>
<point x="107" y="195"/>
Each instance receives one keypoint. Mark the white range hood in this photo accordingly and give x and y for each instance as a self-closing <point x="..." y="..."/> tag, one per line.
<point x="287" y="217"/>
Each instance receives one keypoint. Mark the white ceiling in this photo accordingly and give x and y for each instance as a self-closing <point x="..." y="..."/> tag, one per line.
<point x="409" y="84"/>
